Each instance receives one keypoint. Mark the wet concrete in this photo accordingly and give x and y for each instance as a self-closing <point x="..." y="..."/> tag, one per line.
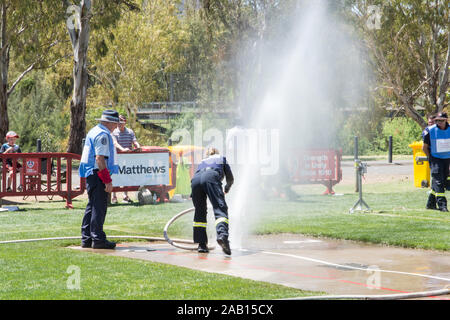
<point x="332" y="266"/>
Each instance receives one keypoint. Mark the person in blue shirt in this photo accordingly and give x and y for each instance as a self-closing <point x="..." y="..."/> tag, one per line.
<point x="436" y="146"/>
<point x="207" y="184"/>
<point x="11" y="147"/>
<point x="98" y="162"/>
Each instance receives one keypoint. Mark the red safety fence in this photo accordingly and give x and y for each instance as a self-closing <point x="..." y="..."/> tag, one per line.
<point x="40" y="174"/>
<point x="161" y="191"/>
<point x="318" y="166"/>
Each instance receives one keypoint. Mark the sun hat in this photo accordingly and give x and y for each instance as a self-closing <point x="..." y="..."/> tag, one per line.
<point x="441" y="116"/>
<point x="109" y="116"/>
<point x="12" y="134"/>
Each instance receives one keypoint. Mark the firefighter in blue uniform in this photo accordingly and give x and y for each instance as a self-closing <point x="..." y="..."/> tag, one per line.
<point x="436" y="145"/>
<point x="207" y="183"/>
<point x="98" y="162"/>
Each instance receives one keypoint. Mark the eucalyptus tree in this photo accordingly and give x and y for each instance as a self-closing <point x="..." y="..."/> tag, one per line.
<point x="408" y="43"/>
<point x="29" y="32"/>
<point x="80" y="15"/>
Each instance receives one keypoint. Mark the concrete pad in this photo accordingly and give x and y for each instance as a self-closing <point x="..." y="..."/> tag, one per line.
<point x="333" y="266"/>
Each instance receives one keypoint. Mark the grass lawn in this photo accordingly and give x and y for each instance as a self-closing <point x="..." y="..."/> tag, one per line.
<point x="39" y="270"/>
<point x="398" y="216"/>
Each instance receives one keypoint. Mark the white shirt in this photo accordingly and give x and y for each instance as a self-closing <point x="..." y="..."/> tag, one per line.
<point x="101" y="146"/>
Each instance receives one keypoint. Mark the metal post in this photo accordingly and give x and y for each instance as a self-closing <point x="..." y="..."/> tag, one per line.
<point x="390" y="150"/>
<point x="356" y="151"/>
<point x="361" y="168"/>
<point x="171" y="87"/>
<point x="38" y="145"/>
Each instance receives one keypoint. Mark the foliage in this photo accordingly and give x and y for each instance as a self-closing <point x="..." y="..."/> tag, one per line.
<point x="403" y="130"/>
<point x="37" y="112"/>
<point x="373" y="135"/>
<point x="29" y="34"/>
<point x="408" y="45"/>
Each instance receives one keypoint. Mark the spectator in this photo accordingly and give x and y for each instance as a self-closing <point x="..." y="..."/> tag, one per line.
<point x="98" y="162"/>
<point x="125" y="140"/>
<point x="11" y="147"/>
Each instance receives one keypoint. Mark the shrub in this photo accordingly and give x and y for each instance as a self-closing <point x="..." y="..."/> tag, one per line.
<point x="404" y="131"/>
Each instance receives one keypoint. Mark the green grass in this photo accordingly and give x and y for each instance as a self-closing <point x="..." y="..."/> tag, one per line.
<point x="398" y="216"/>
<point x="39" y="270"/>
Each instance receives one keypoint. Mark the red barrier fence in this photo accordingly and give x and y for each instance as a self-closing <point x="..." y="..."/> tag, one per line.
<point x="40" y="174"/>
<point x="318" y="166"/>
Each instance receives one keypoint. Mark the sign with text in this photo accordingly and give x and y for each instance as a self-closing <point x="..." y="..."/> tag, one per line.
<point x="142" y="169"/>
<point x="313" y="165"/>
<point x="32" y="166"/>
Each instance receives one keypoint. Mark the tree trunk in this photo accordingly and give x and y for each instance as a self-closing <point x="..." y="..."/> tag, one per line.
<point x="79" y="35"/>
<point x="4" y="64"/>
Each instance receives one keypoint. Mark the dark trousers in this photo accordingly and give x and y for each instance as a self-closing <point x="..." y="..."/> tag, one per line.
<point x="95" y="213"/>
<point x="439" y="172"/>
<point x="207" y="185"/>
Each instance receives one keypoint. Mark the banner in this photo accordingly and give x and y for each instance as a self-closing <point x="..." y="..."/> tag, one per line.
<point x="313" y="165"/>
<point x="142" y="169"/>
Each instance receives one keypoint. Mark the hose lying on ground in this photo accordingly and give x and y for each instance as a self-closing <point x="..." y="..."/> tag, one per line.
<point x="411" y="295"/>
<point x="79" y="237"/>
<point x="172" y="242"/>
<point x="175" y="242"/>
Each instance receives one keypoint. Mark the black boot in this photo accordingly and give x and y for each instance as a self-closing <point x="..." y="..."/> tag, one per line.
<point x="431" y="203"/>
<point x="225" y="244"/>
<point x="442" y="203"/>
<point x="202" y="248"/>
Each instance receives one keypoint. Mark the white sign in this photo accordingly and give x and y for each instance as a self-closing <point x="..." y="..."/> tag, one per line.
<point x="443" y="145"/>
<point x="142" y="169"/>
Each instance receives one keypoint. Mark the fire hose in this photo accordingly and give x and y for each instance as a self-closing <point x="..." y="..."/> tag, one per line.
<point x="172" y="242"/>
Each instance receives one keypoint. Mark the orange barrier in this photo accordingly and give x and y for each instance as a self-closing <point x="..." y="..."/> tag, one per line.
<point x="161" y="190"/>
<point x="316" y="166"/>
<point x="38" y="175"/>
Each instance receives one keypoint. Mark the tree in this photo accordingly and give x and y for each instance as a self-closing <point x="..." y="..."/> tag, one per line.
<point x="78" y="29"/>
<point x="78" y="26"/>
<point x="409" y="46"/>
<point x="28" y="33"/>
<point x="134" y="72"/>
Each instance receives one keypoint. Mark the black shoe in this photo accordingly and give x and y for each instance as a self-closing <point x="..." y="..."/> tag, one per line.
<point x="104" y="245"/>
<point x="225" y="244"/>
<point x="431" y="202"/>
<point x="444" y="209"/>
<point x="202" y="248"/>
<point x="86" y="244"/>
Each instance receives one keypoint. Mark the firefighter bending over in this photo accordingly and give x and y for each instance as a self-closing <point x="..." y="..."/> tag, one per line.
<point x="207" y="183"/>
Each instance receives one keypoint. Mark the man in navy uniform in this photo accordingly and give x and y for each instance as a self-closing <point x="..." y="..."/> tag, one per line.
<point x="207" y="183"/>
<point x="96" y="165"/>
<point x="436" y="145"/>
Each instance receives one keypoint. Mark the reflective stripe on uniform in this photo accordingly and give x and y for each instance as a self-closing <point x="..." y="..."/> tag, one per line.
<point x="222" y="219"/>
<point x="200" y="224"/>
<point x="440" y="194"/>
